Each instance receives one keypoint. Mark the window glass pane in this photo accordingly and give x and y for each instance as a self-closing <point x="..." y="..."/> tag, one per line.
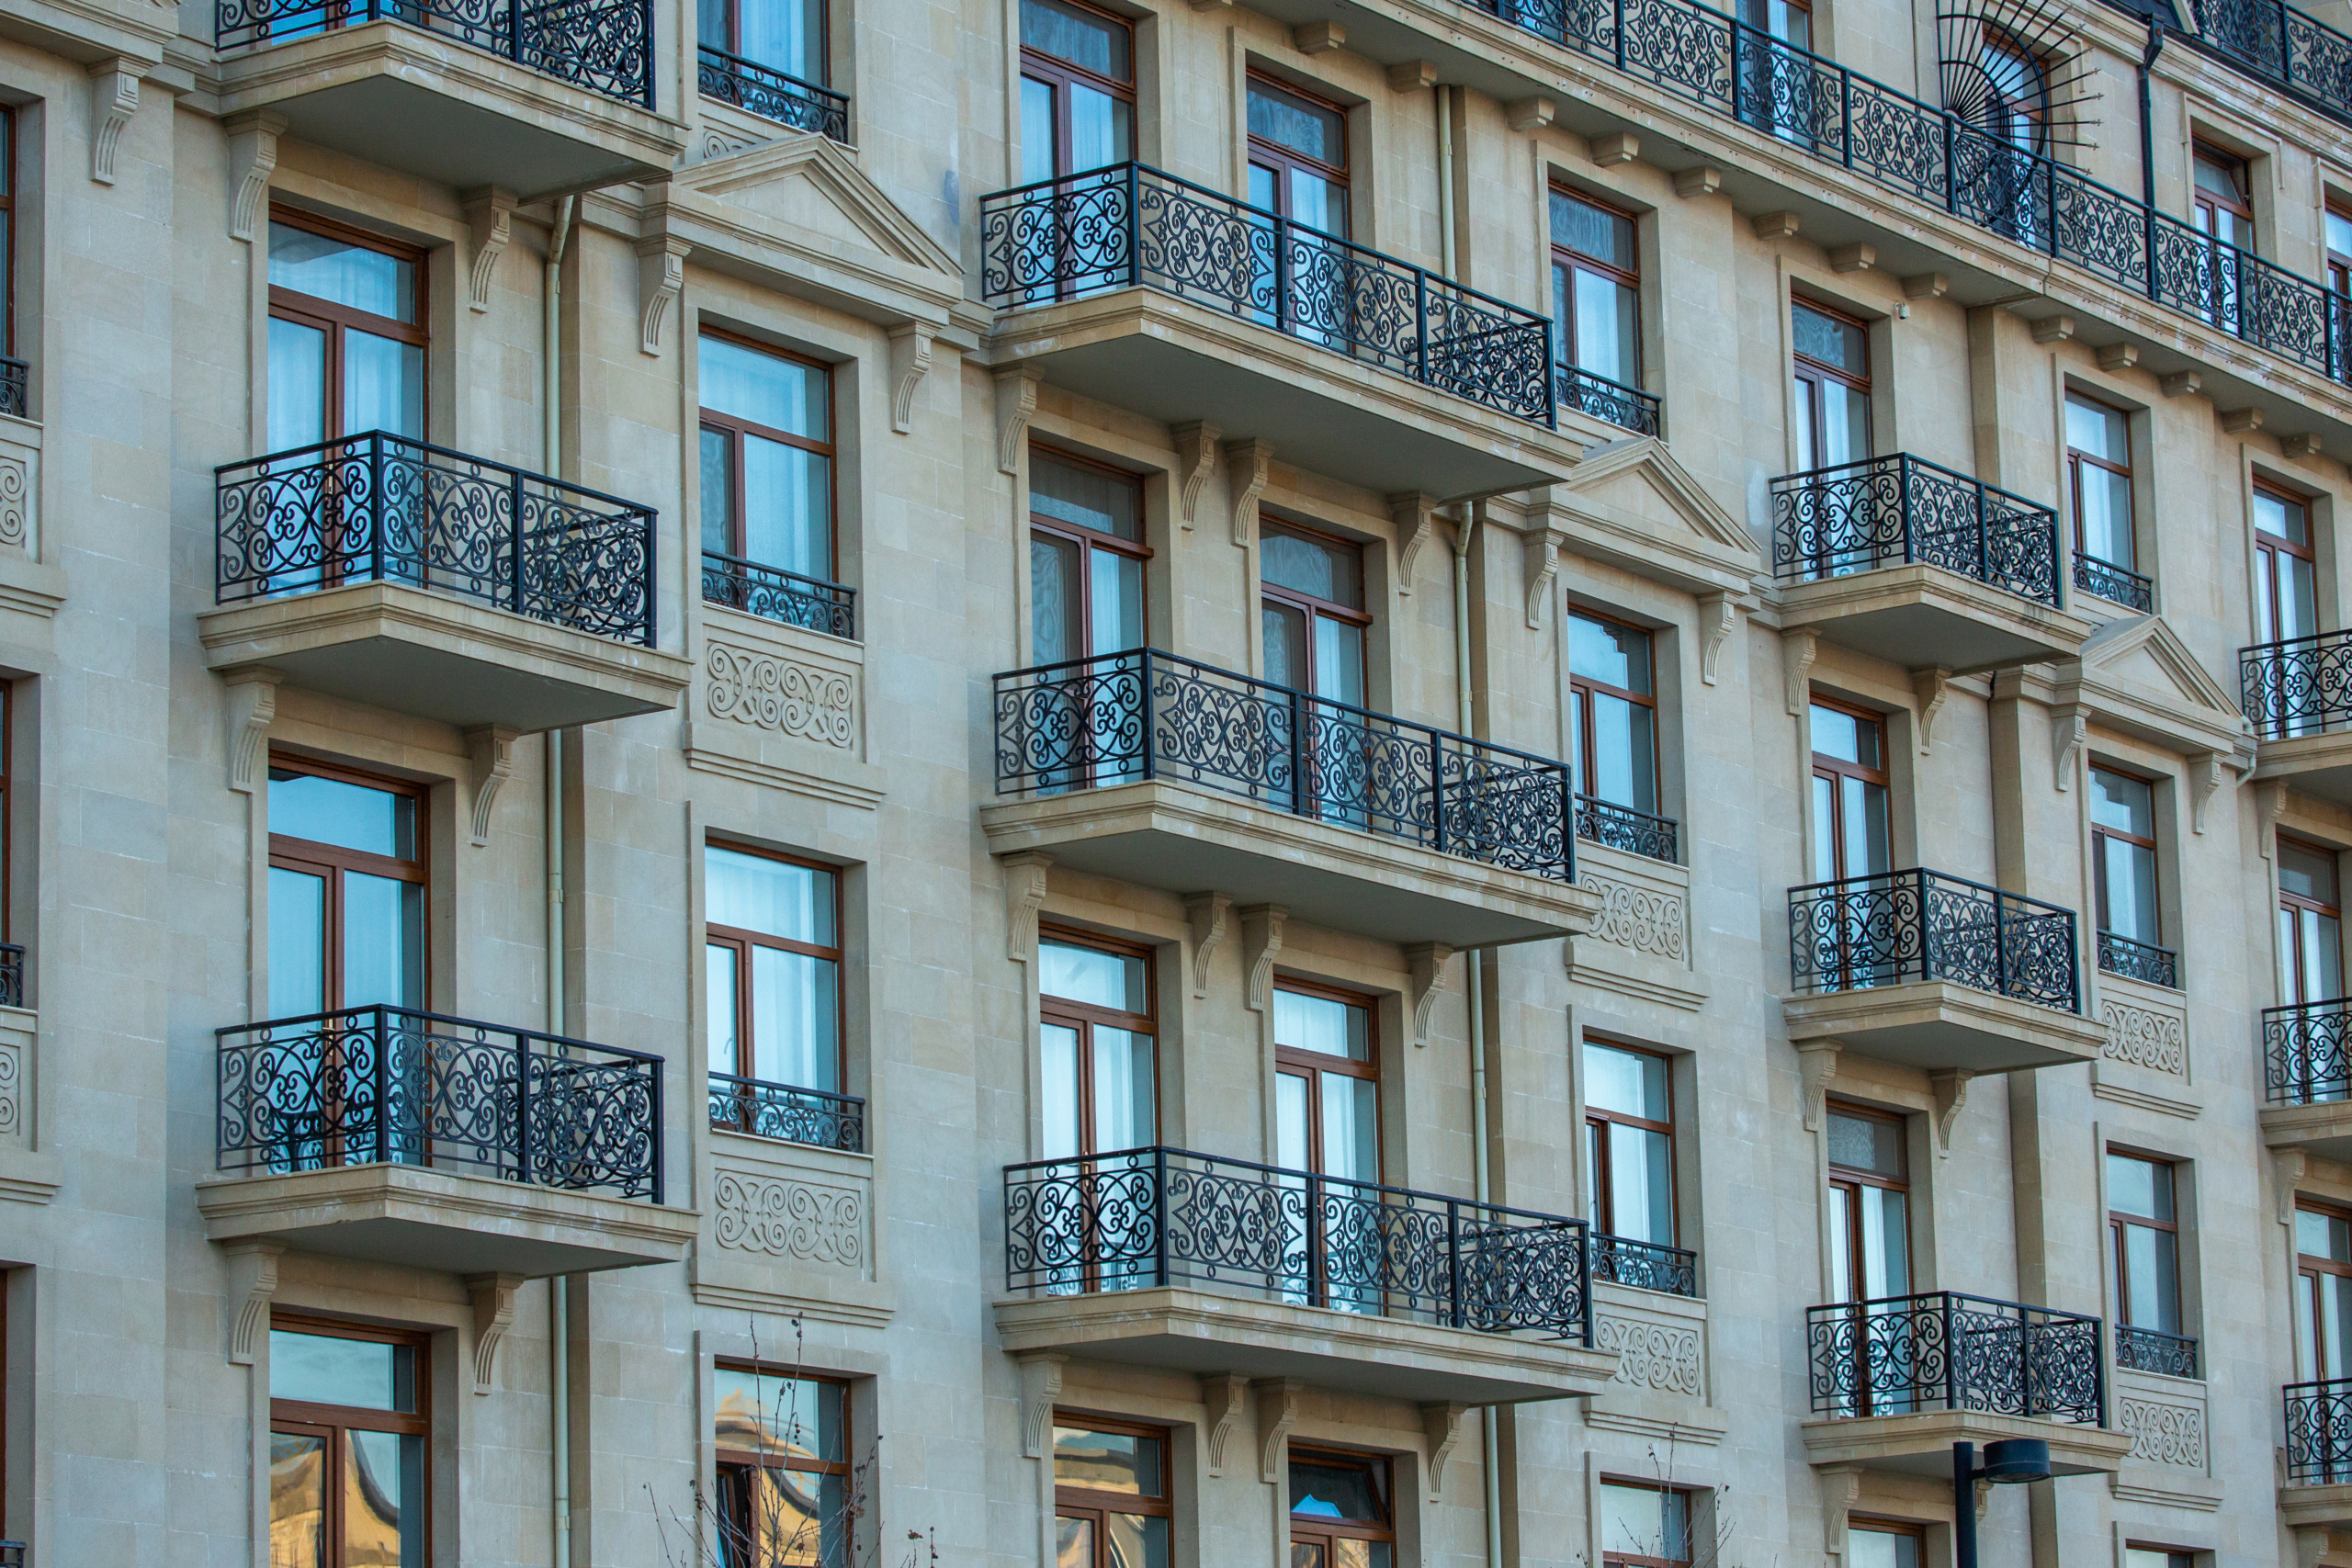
<point x="1324" y="571"/>
<point x="719" y="986"/>
<point x="1631" y="1083"/>
<point x="1116" y="603"/>
<point x="1338" y="1490"/>
<point x="1886" y="1242"/>
<point x="1578" y="225"/>
<point x="2098" y="430"/>
<point x="2320" y="1235"/>
<point x="2142" y="1186"/>
<point x="1881" y="1548"/>
<point x="1605" y="318"/>
<point x="1288" y="120"/>
<point x="1037" y="146"/>
<point x="1088" y="498"/>
<point x="1125" y="1099"/>
<point x="785" y="34"/>
<point x="2307" y="874"/>
<point x="764" y="389"/>
<point x="1335" y="1028"/>
<point x="1319" y="204"/>
<point x="2339" y="232"/>
<point x="787" y="507"/>
<point x="1846" y="738"/>
<point x="1098" y="128"/>
<point x="718" y="492"/>
<point x="1351" y="1127"/>
<point x="1073" y="1543"/>
<point x="2105" y="504"/>
<point x="767" y="1412"/>
<point x="297" y="1501"/>
<point x="1605" y="652"/>
<point x="1107" y="1461"/>
<point x="298" y="385"/>
<point x="1057" y="1096"/>
<point x="1623" y="756"/>
<point x="383" y="942"/>
<point x="1845" y="425"/>
<point x="2121" y="801"/>
<point x="350" y="816"/>
<point x="1088" y="975"/>
<point x="1643" y="1521"/>
<point x="298" y="944"/>
<point x="1338" y="660"/>
<point x="1137" y="1541"/>
<point x="1832" y="342"/>
<point x="795" y="1006"/>
<point x="383" y="1501"/>
<point x="2281" y="517"/>
<point x="1866" y="1143"/>
<point x="1641" y="1186"/>
<point x="775" y="898"/>
<point x="2220" y="174"/>
<point x="1865" y="808"/>
<point x="321" y="1368"/>
<point x="1287" y="658"/>
<point x="2127" y="890"/>
<point x="2152" y="1277"/>
<point x="383" y="385"/>
<point x="1053" y="599"/>
<point x="1080" y="37"/>
<point x="327" y="268"/>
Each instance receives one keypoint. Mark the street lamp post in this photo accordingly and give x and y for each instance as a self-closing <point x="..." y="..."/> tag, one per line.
<point x="2010" y="1463"/>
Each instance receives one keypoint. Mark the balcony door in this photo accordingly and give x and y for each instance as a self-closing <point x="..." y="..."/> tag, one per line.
<point x="1339" y="1510"/>
<point x="1298" y="171"/>
<point x="1077" y="89"/>
<point x="783" y="35"/>
<point x="1832" y="376"/>
<point x="1870" y="1255"/>
<point x="1776" y="85"/>
<point x="2286" y="593"/>
<point x="2324" y="1339"/>
<point x="766" y="481"/>
<point x="1850" y="839"/>
<point x="1099" y="1093"/>
<point x="1327" y="1124"/>
<point x="773" y="958"/>
<point x="347" y="334"/>
<point x="1311" y="601"/>
<point x="1086" y="604"/>
<point x="1596" y="311"/>
<point x="2310" y="924"/>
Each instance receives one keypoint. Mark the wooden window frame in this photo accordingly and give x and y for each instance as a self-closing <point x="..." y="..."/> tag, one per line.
<point x="1062" y="75"/>
<point x="734" y="9"/>
<point x="1085" y="539"/>
<point x="334" y="320"/>
<point x="2119" y="1221"/>
<point x="1854" y="1176"/>
<point x="1585" y="686"/>
<point x="1311" y="1062"/>
<point x="2297" y="903"/>
<point x="1597" y="1124"/>
<point x="1095" y="1505"/>
<point x="1083" y="1016"/>
<point x="2267" y="543"/>
<point x="1805" y="367"/>
<point x="1870" y="1524"/>
<point x="1283" y="160"/>
<point x="1325" y="1531"/>
<point x="331" y="1422"/>
<point x="1640" y="1560"/>
<point x="2100" y="900"/>
<point x="734" y="428"/>
<point x="740" y="941"/>
<point x="1311" y="606"/>
<point x="2210" y="206"/>
<point x="1833" y="768"/>
<point x="2076" y="458"/>
<point x="1569" y="258"/>
<point x="330" y="861"/>
<point x="749" y="1459"/>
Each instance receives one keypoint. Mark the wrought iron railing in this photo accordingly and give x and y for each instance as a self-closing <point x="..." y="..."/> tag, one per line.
<point x="1623" y="828"/>
<point x="16" y="383"/>
<point x="1603" y="399"/>
<point x="771" y="94"/>
<point x="2142" y="961"/>
<point x="2319" y="1432"/>
<point x="1130" y="226"/>
<point x="1901" y="926"/>
<point x="765" y="1110"/>
<point x="2154" y="1350"/>
<point x="2116" y="584"/>
<point x="380" y="508"/>
<point x="1128" y="717"/>
<point x="393" y="1086"/>
<point x="1898" y="510"/>
<point x="1645" y="1265"/>
<point x="1941" y="1350"/>
<point x="2281" y="44"/>
<point x="1142" y="1218"/>
<point x="779" y="596"/>
<point x="606" y="46"/>
<point x="2301" y="686"/>
<point x="12" y="1554"/>
<point x="2307" y="1052"/>
<point x="12" y="980"/>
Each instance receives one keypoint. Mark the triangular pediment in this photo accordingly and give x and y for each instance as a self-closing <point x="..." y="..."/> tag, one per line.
<point x="804" y="189"/>
<point x="1629" y="502"/>
<point x="2137" y="675"/>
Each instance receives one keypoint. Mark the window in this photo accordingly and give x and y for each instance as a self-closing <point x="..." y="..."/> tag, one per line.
<point x="1311" y="588"/>
<point x="1614" y="721"/>
<point x="2324" y="1290"/>
<point x="2224" y="197"/>
<point x="1596" y="310"/>
<point x="2286" y="602"/>
<point x="1299" y="157"/>
<point x="2098" y="488"/>
<point x="767" y="483"/>
<point x="1326" y="1122"/>
<point x="1101" y="1076"/>
<point x="347" y="892"/>
<point x="1850" y="786"/>
<point x="2123" y="867"/>
<point x="2135" y="1555"/>
<point x="2015" y="90"/>
<point x="347" y="1451"/>
<point x="784" y="34"/>
<point x="1883" y="1546"/>
<point x="2143" y="1224"/>
<point x="1629" y="1143"/>
<point x="12" y="384"/>
<point x="1833" y="388"/>
<point x="1112" y="1505"/>
<point x="2310" y="924"/>
<point x="1786" y="21"/>
<point x="1644" y="1527"/>
<point x="1870" y="1205"/>
<point x="1076" y="89"/>
<point x="1774" y="91"/>
<point x="1340" y="1511"/>
<point x="1085" y="559"/>
<point x="347" y="334"/>
<point x="772" y="963"/>
<point x="784" y="1475"/>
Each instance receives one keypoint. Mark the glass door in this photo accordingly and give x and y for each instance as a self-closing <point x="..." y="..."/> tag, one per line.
<point x="1311" y="599"/>
<point x="1086" y="603"/>
<point x="2323" y="1334"/>
<point x="1076" y="117"/>
<point x="1099" y="1088"/>
<point x="1298" y="171"/>
<point x="1327" y="1125"/>
<point x="1851" y="840"/>
<point x="1869" y="1258"/>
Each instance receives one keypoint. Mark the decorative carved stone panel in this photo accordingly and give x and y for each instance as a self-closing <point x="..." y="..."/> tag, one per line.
<point x="779" y="705"/>
<point x="1643" y="918"/>
<point x="2147" y="1027"/>
<point x="778" y="693"/>
<point x="2166" y="1419"/>
<point x="1661" y="1340"/>
<point x="16" y="1102"/>
<point x="1640" y="944"/>
<point x="792" y="1217"/>
<point x="791" y="1229"/>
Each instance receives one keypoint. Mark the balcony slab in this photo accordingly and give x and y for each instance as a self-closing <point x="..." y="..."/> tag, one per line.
<point x="1351" y="1352"/>
<point x="1920" y="1444"/>
<point x="439" y="657"/>
<point x="1170" y="836"/>
<point x="433" y="107"/>
<point x="2310" y="764"/>
<point x="2305" y="1507"/>
<point x="2325" y="1129"/>
<point x="431" y="1219"/>
<point x="1173" y="360"/>
<point x="1938" y="1026"/>
<point x="1919" y="616"/>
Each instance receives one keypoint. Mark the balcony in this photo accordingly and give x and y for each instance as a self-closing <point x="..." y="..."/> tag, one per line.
<point x="407" y="1137"/>
<point x="2154" y="1350"/>
<point x="1897" y="1381"/>
<point x="1175" y="1260"/>
<point x="1645" y="1265"/>
<point x="1172" y="774"/>
<point x="2116" y="584"/>
<point x="16" y="381"/>
<point x="532" y="95"/>
<point x="2140" y="961"/>
<point x="1623" y="828"/>
<point x="1938" y="973"/>
<point x="2280" y="45"/>
<point x="771" y="94"/>
<point x="2307" y="1078"/>
<point x="1170" y="300"/>
<point x="408" y="577"/>
<point x="1908" y="561"/>
<point x="776" y="594"/>
<point x="2298" y="696"/>
<point x="814" y="1116"/>
<point x="1611" y="403"/>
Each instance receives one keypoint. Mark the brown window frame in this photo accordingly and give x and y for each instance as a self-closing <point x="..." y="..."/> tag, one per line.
<point x="1826" y="766"/>
<point x="2209" y="205"/>
<point x="1640" y="1560"/>
<point x="1585" y="686"/>
<point x="1870" y="1524"/>
<point x="333" y="1422"/>
<point x="734" y="428"/>
<point x="1312" y="1062"/>
<point x="1575" y="261"/>
<point x="734" y="9"/>
<point x="334" y="320"/>
<point x="740" y="941"/>
<point x="1085" y="1016"/>
<point x="1327" y="1531"/>
<point x="1093" y="1504"/>
<point x="332" y="861"/>
<point x="750" y="1459"/>
<point x="1854" y="1176"/>
<point x="2310" y="1264"/>
<point x="1087" y="539"/>
<point x="1282" y="161"/>
<point x="2076" y="459"/>
<point x="1061" y="75"/>
<point x="2296" y="901"/>
<point x="2117" y="1220"/>
<point x="1311" y="606"/>
<point x="2267" y="543"/>
<point x="2100" y="901"/>
<point x="1597" y="1123"/>
<point x="1804" y="367"/>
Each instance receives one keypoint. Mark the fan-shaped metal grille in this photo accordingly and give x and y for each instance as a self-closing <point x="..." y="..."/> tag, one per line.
<point x="2003" y="74"/>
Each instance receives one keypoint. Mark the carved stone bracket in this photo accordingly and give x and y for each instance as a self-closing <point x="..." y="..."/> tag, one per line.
<point x="1207" y="911"/>
<point x="1718" y="618"/>
<point x="1017" y="404"/>
<point x="1041" y="1384"/>
<point x="2312" y="1543"/>
<point x="1798" y="649"/>
<point x="1245" y="461"/>
<point x="2205" y="781"/>
<point x="1025" y="894"/>
<point x="1227" y="1397"/>
<point x="1442" y="1425"/>
<point x="2269" y="801"/>
<point x="1841" y="1488"/>
<point x="493" y="1299"/>
<point x="1425" y="962"/>
<point x="1950" y="1089"/>
<point x="1262" y="939"/>
<point x="660" y="278"/>
<point x="1816" y="1065"/>
<point x="253" y="158"/>
<point x="1413" y="512"/>
<point x="1543" y="554"/>
<point x="114" y="99"/>
<point x="490" y="749"/>
<point x="1196" y="460"/>
<point x="252" y="703"/>
<point x="2287" y="1168"/>
<point x="1931" y="686"/>
<point x="2070" y="732"/>
<point x="253" y="1281"/>
<point x="909" y="362"/>
<point x="1277" y="1413"/>
<point x="489" y="213"/>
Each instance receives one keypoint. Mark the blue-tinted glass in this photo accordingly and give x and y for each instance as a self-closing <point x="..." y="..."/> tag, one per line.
<point x="1631" y="1083"/>
<point x="1113" y="980"/>
<point x="1832" y="342"/>
<point x="1288" y="120"/>
<point x="1614" y="655"/>
<point x="337" y="270"/>
<point x="350" y="816"/>
<point x="1592" y="230"/>
<point x="1087" y="497"/>
<point x="773" y="897"/>
<point x="1327" y="572"/>
<point x="318" y="1368"/>
<point x="2124" y="802"/>
<point x="2140" y="1187"/>
<point x="1326" y="1024"/>
<point x="765" y="388"/>
<point x="1081" y="36"/>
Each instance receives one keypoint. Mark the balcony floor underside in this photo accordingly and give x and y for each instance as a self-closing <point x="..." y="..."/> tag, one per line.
<point x="1920" y="1443"/>
<point x="1937" y="1024"/>
<point x="2318" y="765"/>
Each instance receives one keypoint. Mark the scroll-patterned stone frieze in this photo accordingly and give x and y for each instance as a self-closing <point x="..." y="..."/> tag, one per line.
<point x="12" y="1089"/>
<point x="751" y="686"/>
<point x="2145" y="1037"/>
<point x="16" y="499"/>
<point x="2165" y="1432"/>
<point x="1647" y="919"/>
<point x="1662" y="1357"/>
<point x="803" y="1221"/>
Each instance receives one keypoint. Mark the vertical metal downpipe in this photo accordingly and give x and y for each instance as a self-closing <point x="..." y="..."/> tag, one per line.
<point x="1445" y="186"/>
<point x="558" y="1288"/>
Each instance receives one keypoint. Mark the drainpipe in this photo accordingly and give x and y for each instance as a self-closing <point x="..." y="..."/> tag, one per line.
<point x="558" y="1292"/>
<point x="1445" y="188"/>
<point x="2147" y="119"/>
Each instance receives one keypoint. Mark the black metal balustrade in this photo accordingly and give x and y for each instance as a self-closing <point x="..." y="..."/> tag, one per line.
<point x="1943" y="1350"/>
<point x="1645" y="1265"/>
<point x="1130" y="226"/>
<point x="606" y="46"/>
<point x="2301" y="686"/>
<point x="1603" y="399"/>
<point x="1623" y="828"/>
<point x="2142" y="961"/>
<point x="16" y="382"/>
<point x="2116" y="584"/>
<point x="1901" y="926"/>
<point x="12" y="1554"/>
<point x="1900" y="510"/>
<point x="392" y="1086"/>
<point x="2154" y="1350"/>
<point x="765" y="1110"/>
<point x="779" y="596"/>
<point x="2281" y="44"/>
<point x="1128" y="717"/>
<point x="380" y="508"/>
<point x="12" y="974"/>
<point x="771" y="94"/>
<point x="2319" y="1432"/>
<point x="2307" y="1052"/>
<point x="1141" y="1218"/>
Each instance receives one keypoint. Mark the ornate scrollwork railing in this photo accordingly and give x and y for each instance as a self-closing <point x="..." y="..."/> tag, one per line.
<point x="1645" y="1265"/>
<point x="2282" y="45"/>
<point x="2307" y="1052"/>
<point x="1627" y="407"/>
<point x="2116" y="584"/>
<point x="1126" y="717"/>
<point x="1941" y="1350"/>
<point x="813" y="1116"/>
<point x="1130" y="226"/>
<point x="380" y="508"/>
<point x="12" y="974"/>
<point x="393" y="1086"/>
<point x="772" y="94"/>
<point x="1623" y="828"/>
<point x="2301" y="686"/>
<point x="606" y="46"/>
<point x="1898" y="510"/>
<point x="2319" y="1432"/>
<point x="2154" y="1350"/>
<point x="779" y="596"/>
<point x="1923" y="925"/>
<point x="1148" y="1217"/>
<point x="16" y="383"/>
<point x="2142" y="961"/>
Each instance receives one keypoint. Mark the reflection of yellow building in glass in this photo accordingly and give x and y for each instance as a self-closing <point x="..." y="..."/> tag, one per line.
<point x="783" y="1471"/>
<point x="298" y="1500"/>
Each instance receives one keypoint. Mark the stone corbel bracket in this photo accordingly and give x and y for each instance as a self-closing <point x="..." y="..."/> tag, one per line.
<point x="1041" y="1384"/>
<point x="253" y="158"/>
<point x="1442" y="1426"/>
<point x="1225" y="1397"/>
<point x="1542" y="551"/>
<point x="2070" y="732"/>
<point x="1261" y="940"/>
<point x="1247" y="461"/>
<point x="909" y="362"/>
<point x="2287" y="1168"/>
<point x="1414" y="512"/>
<point x="1931" y="686"/>
<point x="1425" y="964"/>
<point x="493" y="1299"/>
<point x="1277" y="1413"/>
<point x="1207" y="912"/>
<point x="489" y="213"/>
<point x="1718" y="618"/>
<point x="1841" y="1488"/>
<point x="1196" y="445"/>
<point x="1025" y="895"/>
<point x="1016" y="404"/>
<point x="1950" y="1089"/>
<point x="1816" y="1065"/>
<point x="660" y="278"/>
<point x="114" y="99"/>
<point x="490" y="749"/>
<point x="253" y="1281"/>
<point x="2269" y="802"/>
<point x="1798" y="649"/>
<point x="252" y="703"/>
<point x="2205" y="771"/>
